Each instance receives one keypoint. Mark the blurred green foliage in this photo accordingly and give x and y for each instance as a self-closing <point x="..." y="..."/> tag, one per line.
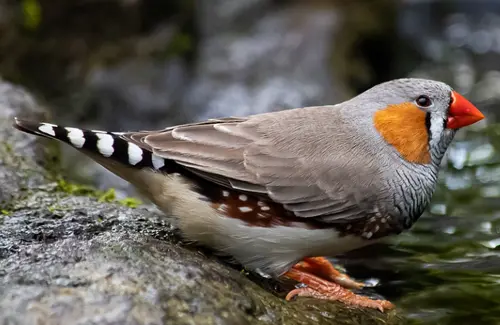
<point x="32" y="12"/>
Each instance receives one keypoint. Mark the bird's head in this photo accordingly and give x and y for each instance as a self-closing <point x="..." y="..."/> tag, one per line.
<point x="419" y="117"/>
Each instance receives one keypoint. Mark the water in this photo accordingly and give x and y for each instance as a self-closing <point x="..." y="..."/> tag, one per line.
<point x="257" y="56"/>
<point x="446" y="270"/>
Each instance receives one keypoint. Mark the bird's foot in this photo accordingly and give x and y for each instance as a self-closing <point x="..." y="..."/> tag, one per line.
<point x="322" y="289"/>
<point x="322" y="268"/>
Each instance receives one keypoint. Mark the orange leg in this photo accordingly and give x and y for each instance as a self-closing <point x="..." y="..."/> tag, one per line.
<point x="321" y="267"/>
<point x="320" y="288"/>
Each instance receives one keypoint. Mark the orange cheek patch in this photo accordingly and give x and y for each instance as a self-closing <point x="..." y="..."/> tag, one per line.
<point x="403" y="127"/>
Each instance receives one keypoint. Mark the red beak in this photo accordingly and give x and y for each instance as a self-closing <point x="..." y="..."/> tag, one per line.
<point x="462" y="112"/>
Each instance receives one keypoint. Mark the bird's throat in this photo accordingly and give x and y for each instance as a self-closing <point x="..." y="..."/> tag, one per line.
<point x="403" y="127"/>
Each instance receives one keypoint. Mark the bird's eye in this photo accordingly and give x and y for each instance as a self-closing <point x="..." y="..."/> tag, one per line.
<point x="423" y="101"/>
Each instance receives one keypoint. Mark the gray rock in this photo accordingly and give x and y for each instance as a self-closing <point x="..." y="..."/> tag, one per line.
<point x="71" y="259"/>
<point x="15" y="171"/>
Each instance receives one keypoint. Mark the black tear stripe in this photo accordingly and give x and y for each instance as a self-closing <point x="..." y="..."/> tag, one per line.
<point x="428" y="125"/>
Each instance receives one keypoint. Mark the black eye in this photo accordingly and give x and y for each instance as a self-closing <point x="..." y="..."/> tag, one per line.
<point x="423" y="101"/>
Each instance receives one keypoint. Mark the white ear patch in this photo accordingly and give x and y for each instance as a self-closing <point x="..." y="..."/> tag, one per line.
<point x="436" y="129"/>
<point x="76" y="137"/>
<point x="105" y="144"/>
<point x="134" y="153"/>
<point x="47" y="129"/>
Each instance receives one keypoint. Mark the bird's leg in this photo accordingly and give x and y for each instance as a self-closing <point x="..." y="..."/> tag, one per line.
<point x="322" y="268"/>
<point x="322" y="289"/>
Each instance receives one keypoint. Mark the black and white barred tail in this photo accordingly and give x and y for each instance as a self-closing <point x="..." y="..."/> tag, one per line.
<point x="106" y="144"/>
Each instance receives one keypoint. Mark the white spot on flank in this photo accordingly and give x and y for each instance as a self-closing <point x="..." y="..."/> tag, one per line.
<point x="158" y="162"/>
<point x="47" y="129"/>
<point x="265" y="208"/>
<point x="245" y="209"/>
<point x="368" y="235"/>
<point x="383" y="220"/>
<point x="243" y="197"/>
<point x="134" y="153"/>
<point x="76" y="137"/>
<point x="376" y="228"/>
<point x="260" y="203"/>
<point x="105" y="144"/>
<point x="225" y="193"/>
<point x="222" y="207"/>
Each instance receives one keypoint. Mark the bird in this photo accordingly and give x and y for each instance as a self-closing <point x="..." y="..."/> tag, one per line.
<point x="282" y="191"/>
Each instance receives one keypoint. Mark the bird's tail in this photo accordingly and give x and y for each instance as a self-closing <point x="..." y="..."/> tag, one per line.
<point x="103" y="146"/>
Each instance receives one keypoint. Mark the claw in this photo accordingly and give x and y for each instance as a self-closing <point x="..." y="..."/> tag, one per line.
<point x="320" y="288"/>
<point x="321" y="267"/>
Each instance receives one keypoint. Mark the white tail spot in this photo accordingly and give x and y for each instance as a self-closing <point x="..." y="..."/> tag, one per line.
<point x="134" y="153"/>
<point x="47" y="129"/>
<point x="225" y="193"/>
<point x="265" y="208"/>
<point x="76" y="137"/>
<point x="158" y="162"/>
<point x="105" y="144"/>
<point x="245" y="209"/>
<point x="243" y="197"/>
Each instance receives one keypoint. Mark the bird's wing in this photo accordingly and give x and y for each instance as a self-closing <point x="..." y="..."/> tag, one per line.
<point x="243" y="154"/>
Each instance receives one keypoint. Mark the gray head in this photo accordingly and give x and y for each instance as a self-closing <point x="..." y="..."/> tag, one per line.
<point x="405" y="109"/>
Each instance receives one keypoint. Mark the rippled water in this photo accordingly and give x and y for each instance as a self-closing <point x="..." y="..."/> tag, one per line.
<point x="447" y="267"/>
